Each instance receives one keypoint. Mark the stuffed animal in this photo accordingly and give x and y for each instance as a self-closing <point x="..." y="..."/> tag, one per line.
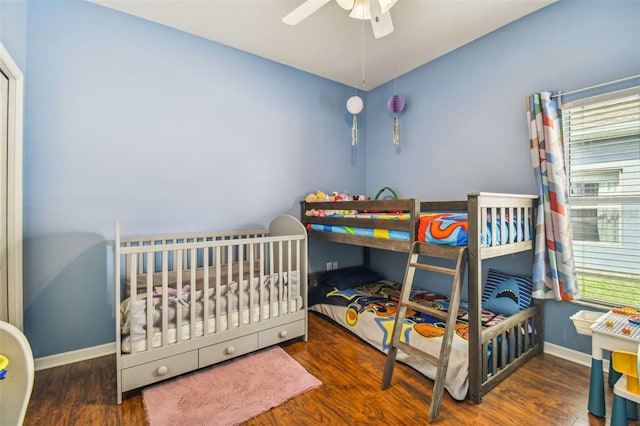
<point x="311" y="198"/>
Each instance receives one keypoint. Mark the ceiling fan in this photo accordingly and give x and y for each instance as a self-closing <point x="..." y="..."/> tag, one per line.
<point x="375" y="10"/>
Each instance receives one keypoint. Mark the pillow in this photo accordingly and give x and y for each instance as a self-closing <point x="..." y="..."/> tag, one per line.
<point x="505" y="293"/>
<point x="343" y="279"/>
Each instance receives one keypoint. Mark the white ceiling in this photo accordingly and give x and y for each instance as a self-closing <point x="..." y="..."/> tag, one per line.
<point x="330" y="43"/>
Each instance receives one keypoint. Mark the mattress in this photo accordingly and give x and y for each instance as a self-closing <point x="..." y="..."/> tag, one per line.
<point x="369" y="311"/>
<point x="268" y="311"/>
<point x="262" y="299"/>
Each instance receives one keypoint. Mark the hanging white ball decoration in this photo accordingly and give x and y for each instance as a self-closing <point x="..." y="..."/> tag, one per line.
<point x="355" y="105"/>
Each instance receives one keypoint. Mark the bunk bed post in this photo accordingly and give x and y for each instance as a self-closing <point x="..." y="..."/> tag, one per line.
<point x="414" y="219"/>
<point x="474" y="294"/>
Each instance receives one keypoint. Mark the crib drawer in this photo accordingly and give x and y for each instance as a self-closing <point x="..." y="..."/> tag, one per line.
<point x="282" y="333"/>
<point x="227" y="350"/>
<point x="156" y="371"/>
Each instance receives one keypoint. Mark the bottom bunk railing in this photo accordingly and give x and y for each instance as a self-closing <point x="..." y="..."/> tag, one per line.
<point x="508" y="345"/>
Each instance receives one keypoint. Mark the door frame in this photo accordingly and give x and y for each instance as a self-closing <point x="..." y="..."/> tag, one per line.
<point x="14" y="187"/>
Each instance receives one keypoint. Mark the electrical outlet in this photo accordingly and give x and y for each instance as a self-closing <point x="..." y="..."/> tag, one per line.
<point x="334" y="265"/>
<point x="329" y="266"/>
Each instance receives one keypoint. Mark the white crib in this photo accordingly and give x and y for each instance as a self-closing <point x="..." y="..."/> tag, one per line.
<point x="188" y="301"/>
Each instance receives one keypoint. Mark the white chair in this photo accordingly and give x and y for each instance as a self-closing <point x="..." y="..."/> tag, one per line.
<point x="17" y="383"/>
<point x="626" y="391"/>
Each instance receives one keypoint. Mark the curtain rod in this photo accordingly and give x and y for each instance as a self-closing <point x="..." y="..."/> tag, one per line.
<point x="595" y="86"/>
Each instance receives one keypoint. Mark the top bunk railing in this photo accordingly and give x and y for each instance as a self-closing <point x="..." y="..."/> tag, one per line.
<point x="497" y="238"/>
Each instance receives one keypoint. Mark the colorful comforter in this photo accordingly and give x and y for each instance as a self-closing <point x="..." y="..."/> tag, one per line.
<point x="369" y="311"/>
<point x="437" y="228"/>
<point x="387" y="234"/>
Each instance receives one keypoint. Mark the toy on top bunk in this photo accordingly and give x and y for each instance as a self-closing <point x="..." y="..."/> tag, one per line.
<point x="321" y="196"/>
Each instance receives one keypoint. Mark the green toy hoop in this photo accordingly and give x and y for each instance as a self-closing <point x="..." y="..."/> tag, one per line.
<point x="386" y="188"/>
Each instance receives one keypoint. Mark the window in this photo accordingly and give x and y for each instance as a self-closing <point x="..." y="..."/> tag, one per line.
<point x="596" y="222"/>
<point x="602" y="153"/>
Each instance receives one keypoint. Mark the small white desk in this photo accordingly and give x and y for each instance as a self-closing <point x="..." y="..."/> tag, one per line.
<point x="607" y="334"/>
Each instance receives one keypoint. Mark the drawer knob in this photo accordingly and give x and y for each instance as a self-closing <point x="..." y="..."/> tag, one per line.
<point x="231" y="350"/>
<point x="162" y="370"/>
<point x="283" y="334"/>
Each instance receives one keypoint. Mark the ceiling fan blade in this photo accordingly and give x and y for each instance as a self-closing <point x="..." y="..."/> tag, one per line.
<point x="303" y="11"/>
<point x="380" y="22"/>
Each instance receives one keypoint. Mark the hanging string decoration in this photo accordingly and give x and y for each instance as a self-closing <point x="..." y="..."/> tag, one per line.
<point x="354" y="106"/>
<point x="395" y="105"/>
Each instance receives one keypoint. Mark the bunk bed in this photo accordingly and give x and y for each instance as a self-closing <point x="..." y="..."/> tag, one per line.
<point x="491" y="225"/>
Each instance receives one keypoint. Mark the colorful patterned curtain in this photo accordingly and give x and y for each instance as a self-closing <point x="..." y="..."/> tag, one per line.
<point x="554" y="272"/>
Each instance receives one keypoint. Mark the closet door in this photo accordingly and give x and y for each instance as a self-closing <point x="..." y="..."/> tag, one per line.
<point x="4" y="135"/>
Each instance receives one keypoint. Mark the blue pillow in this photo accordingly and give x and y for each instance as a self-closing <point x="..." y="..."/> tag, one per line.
<point x="506" y="293"/>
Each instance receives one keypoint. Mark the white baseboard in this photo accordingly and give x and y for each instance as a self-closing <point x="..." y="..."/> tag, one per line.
<point x="571" y="355"/>
<point x="110" y="348"/>
<point x="74" y="356"/>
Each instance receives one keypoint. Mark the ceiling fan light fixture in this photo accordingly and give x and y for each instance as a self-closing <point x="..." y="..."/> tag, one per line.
<point x="345" y="4"/>
<point x="361" y="10"/>
<point x="386" y="5"/>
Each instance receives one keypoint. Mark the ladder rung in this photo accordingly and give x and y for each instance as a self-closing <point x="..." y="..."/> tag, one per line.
<point x="425" y="309"/>
<point x="417" y="352"/>
<point x="440" y="269"/>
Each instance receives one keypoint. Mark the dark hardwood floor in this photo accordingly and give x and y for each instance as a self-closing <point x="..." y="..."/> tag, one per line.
<point x="546" y="391"/>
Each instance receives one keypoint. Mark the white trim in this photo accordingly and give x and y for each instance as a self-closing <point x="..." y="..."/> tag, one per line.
<point x="110" y="348"/>
<point x="573" y="356"/>
<point x="75" y="356"/>
<point x="14" y="187"/>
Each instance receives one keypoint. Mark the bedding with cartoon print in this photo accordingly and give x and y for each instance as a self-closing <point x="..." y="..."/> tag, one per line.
<point x="369" y="311"/>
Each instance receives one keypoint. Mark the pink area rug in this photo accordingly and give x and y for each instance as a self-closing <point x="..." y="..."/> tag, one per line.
<point x="230" y="393"/>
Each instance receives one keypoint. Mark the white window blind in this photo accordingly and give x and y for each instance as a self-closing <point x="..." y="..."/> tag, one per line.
<point x="602" y="153"/>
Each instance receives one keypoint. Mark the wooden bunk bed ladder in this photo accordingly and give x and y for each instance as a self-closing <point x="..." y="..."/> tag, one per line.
<point x="459" y="254"/>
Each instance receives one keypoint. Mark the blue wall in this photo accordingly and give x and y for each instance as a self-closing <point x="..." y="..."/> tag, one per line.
<point x="165" y="131"/>
<point x="13" y="30"/>
<point x="465" y="128"/>
<point x="116" y="107"/>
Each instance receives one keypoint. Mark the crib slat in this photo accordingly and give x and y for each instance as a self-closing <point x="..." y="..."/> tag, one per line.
<point x="280" y="279"/>
<point x="178" y="267"/>
<point x="272" y="270"/>
<point x="133" y="296"/>
<point x="218" y="311"/>
<point x="149" y="300"/>
<point x="252" y="298"/>
<point x="165" y="298"/>
<point x="193" y="264"/>
<point x="229" y="260"/>
<point x="261" y="283"/>
<point x="289" y="280"/>
<point x="205" y="293"/>
<point x="240" y="260"/>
